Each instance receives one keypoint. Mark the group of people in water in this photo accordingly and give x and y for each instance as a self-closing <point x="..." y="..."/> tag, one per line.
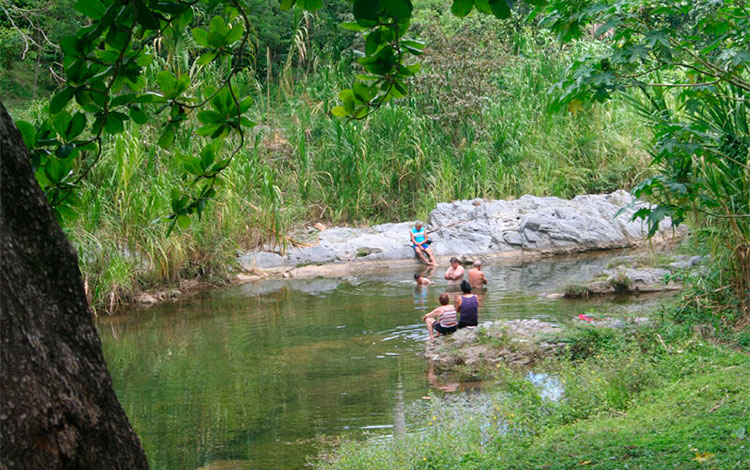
<point x="464" y="313"/>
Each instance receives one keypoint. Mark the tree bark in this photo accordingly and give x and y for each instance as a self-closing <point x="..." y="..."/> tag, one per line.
<point x="57" y="405"/>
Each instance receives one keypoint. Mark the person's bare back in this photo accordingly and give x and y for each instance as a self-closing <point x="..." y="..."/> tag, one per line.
<point x="476" y="276"/>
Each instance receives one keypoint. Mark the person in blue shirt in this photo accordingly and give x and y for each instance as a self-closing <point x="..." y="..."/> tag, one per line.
<point x="419" y="242"/>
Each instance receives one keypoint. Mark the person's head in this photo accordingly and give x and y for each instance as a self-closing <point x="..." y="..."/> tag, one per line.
<point x="417" y="276"/>
<point x="418" y="224"/>
<point x="444" y="298"/>
<point x="466" y="287"/>
<point x="478" y="264"/>
<point x="454" y="261"/>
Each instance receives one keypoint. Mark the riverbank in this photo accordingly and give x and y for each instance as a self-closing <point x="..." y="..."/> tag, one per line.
<point x="659" y="396"/>
<point x="494" y="231"/>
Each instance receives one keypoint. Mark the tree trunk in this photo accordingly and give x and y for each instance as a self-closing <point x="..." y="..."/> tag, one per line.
<point x="57" y="405"/>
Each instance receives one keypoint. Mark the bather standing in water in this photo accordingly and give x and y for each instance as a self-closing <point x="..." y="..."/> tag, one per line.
<point x="468" y="307"/>
<point x="477" y="279"/>
<point x="456" y="272"/>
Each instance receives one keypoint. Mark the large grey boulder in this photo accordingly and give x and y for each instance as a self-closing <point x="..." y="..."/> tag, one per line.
<point x="468" y="228"/>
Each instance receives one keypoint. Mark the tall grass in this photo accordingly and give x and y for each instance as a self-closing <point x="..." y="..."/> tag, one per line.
<point x="301" y="166"/>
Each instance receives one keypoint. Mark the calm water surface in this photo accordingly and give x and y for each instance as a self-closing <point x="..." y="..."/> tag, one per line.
<point x="263" y="376"/>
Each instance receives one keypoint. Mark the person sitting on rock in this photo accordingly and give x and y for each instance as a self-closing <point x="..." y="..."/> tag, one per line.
<point x="420" y="245"/>
<point x="455" y="272"/>
<point x="443" y="319"/>
<point x="468" y="307"/>
<point x="477" y="279"/>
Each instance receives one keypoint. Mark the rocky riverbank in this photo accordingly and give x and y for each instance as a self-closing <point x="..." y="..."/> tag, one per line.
<point x="518" y="343"/>
<point x="526" y="227"/>
<point x="637" y="274"/>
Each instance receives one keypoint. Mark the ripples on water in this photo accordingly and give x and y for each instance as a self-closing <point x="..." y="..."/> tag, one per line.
<point x="262" y="375"/>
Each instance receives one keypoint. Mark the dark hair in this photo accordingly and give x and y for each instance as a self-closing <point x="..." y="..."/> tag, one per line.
<point x="466" y="287"/>
<point x="417" y="275"/>
<point x="454" y="259"/>
<point x="444" y="299"/>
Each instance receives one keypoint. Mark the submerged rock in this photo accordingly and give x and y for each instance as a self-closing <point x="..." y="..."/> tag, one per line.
<point x="634" y="274"/>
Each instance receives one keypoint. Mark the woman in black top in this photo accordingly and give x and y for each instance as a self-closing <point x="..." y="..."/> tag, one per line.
<point x="468" y="306"/>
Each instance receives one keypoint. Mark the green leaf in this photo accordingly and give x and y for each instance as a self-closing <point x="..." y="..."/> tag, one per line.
<point x="208" y="155"/>
<point x="201" y="36"/>
<point x="167" y="82"/>
<point x="138" y="116"/>
<point x="211" y="117"/>
<point x="310" y="5"/>
<point x="113" y="125"/>
<point x="192" y="164"/>
<point x="28" y="132"/>
<point x="218" y="25"/>
<point x="65" y="150"/>
<point x="462" y="8"/>
<point x="352" y="26"/>
<point x="76" y="126"/>
<point x="287" y="4"/>
<point x="500" y="8"/>
<point x="374" y="42"/>
<point x="65" y="212"/>
<point x="183" y="221"/>
<point x="207" y="58"/>
<point x="57" y="169"/>
<point x="61" y="99"/>
<point x="209" y="129"/>
<point x="367" y="9"/>
<point x="398" y="8"/>
<point x="91" y="8"/>
<point x="236" y="33"/>
<point x="339" y="111"/>
<point x="414" y="47"/>
<point x="483" y="6"/>
<point x="167" y="137"/>
<point x="144" y="16"/>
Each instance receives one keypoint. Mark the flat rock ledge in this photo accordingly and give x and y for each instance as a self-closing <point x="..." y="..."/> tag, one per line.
<point x="470" y="229"/>
<point x="518" y="343"/>
<point x="515" y="342"/>
<point x="636" y="274"/>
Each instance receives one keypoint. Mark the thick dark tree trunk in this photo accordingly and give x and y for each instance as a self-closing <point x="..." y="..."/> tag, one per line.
<point x="57" y="405"/>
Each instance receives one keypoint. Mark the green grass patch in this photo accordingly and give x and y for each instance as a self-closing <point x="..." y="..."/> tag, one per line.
<point x="656" y="397"/>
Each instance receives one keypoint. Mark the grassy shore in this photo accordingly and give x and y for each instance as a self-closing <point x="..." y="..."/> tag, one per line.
<point x="655" y="397"/>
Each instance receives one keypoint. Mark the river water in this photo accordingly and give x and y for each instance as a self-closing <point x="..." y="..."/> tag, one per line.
<point x="264" y="376"/>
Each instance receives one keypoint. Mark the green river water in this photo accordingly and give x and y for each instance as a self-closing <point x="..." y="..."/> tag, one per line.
<point x="265" y="376"/>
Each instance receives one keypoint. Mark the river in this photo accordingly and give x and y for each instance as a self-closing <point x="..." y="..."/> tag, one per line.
<point x="264" y="376"/>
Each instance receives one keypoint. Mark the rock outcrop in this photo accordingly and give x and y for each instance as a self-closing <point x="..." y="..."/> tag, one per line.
<point x="518" y="343"/>
<point x="635" y="274"/>
<point x="526" y="226"/>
